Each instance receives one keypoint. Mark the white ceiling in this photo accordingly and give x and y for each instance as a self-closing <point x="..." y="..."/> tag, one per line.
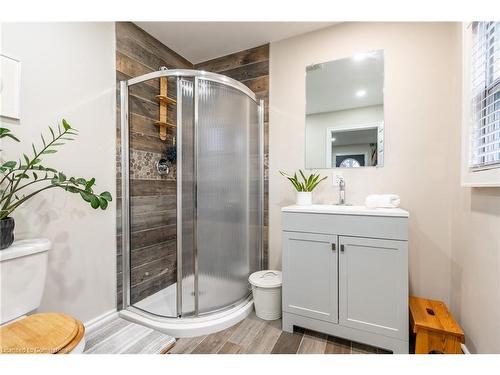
<point x="202" y="41"/>
<point x="332" y="86"/>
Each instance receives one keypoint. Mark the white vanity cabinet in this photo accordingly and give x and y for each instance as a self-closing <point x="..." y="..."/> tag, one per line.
<point x="345" y="273"/>
<point x="311" y="282"/>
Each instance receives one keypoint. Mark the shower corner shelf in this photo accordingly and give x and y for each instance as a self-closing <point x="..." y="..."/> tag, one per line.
<point x="164" y="101"/>
<point x="166" y="124"/>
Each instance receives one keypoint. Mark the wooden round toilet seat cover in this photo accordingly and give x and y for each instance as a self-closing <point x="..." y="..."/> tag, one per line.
<point x="43" y="333"/>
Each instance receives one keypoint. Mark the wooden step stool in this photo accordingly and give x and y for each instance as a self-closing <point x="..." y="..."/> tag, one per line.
<point x="435" y="329"/>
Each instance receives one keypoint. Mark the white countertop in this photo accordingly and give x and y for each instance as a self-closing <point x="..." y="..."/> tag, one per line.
<point x="346" y="210"/>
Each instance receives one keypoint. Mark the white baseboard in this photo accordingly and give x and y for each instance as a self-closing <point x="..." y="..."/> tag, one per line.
<point x="465" y="350"/>
<point x="101" y="319"/>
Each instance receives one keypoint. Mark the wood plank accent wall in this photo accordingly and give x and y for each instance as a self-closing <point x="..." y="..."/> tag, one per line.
<point x="153" y="196"/>
<point x="250" y="67"/>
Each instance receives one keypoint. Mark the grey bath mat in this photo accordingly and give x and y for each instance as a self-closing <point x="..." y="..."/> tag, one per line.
<point x="119" y="336"/>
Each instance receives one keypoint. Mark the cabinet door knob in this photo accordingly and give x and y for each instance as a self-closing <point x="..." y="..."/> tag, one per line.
<point x="342" y="248"/>
<point x="334" y="247"/>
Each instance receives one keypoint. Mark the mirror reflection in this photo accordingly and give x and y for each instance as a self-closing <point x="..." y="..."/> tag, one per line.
<point x="345" y="112"/>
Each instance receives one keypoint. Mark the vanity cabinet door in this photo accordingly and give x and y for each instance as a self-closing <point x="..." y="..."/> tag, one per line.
<point x="373" y="285"/>
<point x="310" y="275"/>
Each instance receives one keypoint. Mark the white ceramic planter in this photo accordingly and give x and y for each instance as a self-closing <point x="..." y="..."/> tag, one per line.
<point x="304" y="198"/>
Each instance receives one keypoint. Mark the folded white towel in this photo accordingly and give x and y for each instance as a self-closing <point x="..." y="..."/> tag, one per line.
<point x="382" y="201"/>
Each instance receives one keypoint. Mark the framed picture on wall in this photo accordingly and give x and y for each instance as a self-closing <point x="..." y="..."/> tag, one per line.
<point x="10" y="87"/>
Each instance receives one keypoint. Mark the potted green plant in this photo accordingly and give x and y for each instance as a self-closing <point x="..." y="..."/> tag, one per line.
<point x="23" y="179"/>
<point x="305" y="187"/>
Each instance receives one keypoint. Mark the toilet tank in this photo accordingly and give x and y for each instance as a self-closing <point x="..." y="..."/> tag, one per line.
<point x="23" y="267"/>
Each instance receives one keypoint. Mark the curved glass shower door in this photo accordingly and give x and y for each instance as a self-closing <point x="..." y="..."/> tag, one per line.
<point x="227" y="203"/>
<point x="221" y="175"/>
<point x="193" y="235"/>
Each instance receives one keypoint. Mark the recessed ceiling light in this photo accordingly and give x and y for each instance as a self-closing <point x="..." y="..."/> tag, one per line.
<point x="360" y="93"/>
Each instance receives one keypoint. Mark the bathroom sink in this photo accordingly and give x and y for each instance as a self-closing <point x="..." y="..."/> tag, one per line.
<point x="335" y="209"/>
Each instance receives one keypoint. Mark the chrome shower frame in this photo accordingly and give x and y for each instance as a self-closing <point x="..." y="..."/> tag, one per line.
<point x="125" y="185"/>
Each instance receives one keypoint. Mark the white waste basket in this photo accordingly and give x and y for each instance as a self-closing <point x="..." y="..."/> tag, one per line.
<point x="266" y="290"/>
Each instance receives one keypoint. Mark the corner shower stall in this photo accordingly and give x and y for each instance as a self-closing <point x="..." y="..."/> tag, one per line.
<point x="215" y="148"/>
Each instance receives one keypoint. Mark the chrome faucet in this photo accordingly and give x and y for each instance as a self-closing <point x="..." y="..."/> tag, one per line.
<point x="341" y="182"/>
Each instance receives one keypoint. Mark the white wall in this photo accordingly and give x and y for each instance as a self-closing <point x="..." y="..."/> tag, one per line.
<point x="420" y="108"/>
<point x="68" y="71"/>
<point x="475" y="234"/>
<point x="317" y="123"/>
<point x="475" y="294"/>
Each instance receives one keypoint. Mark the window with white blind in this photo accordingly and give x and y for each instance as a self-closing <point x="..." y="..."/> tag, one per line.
<point x="484" y="148"/>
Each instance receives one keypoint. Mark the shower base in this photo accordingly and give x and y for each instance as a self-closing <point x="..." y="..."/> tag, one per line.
<point x="164" y="302"/>
<point x="158" y="311"/>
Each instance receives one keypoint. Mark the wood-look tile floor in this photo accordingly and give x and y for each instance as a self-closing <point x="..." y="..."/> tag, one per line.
<point x="256" y="336"/>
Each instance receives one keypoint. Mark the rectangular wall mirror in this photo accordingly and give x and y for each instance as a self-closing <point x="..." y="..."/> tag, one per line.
<point x="345" y="112"/>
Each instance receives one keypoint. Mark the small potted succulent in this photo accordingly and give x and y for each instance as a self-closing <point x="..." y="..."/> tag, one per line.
<point x="23" y="179"/>
<point x="305" y="187"/>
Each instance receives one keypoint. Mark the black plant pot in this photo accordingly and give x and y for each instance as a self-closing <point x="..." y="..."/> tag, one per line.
<point x="6" y="232"/>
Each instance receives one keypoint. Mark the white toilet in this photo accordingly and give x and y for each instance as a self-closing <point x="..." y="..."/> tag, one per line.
<point x="23" y="268"/>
